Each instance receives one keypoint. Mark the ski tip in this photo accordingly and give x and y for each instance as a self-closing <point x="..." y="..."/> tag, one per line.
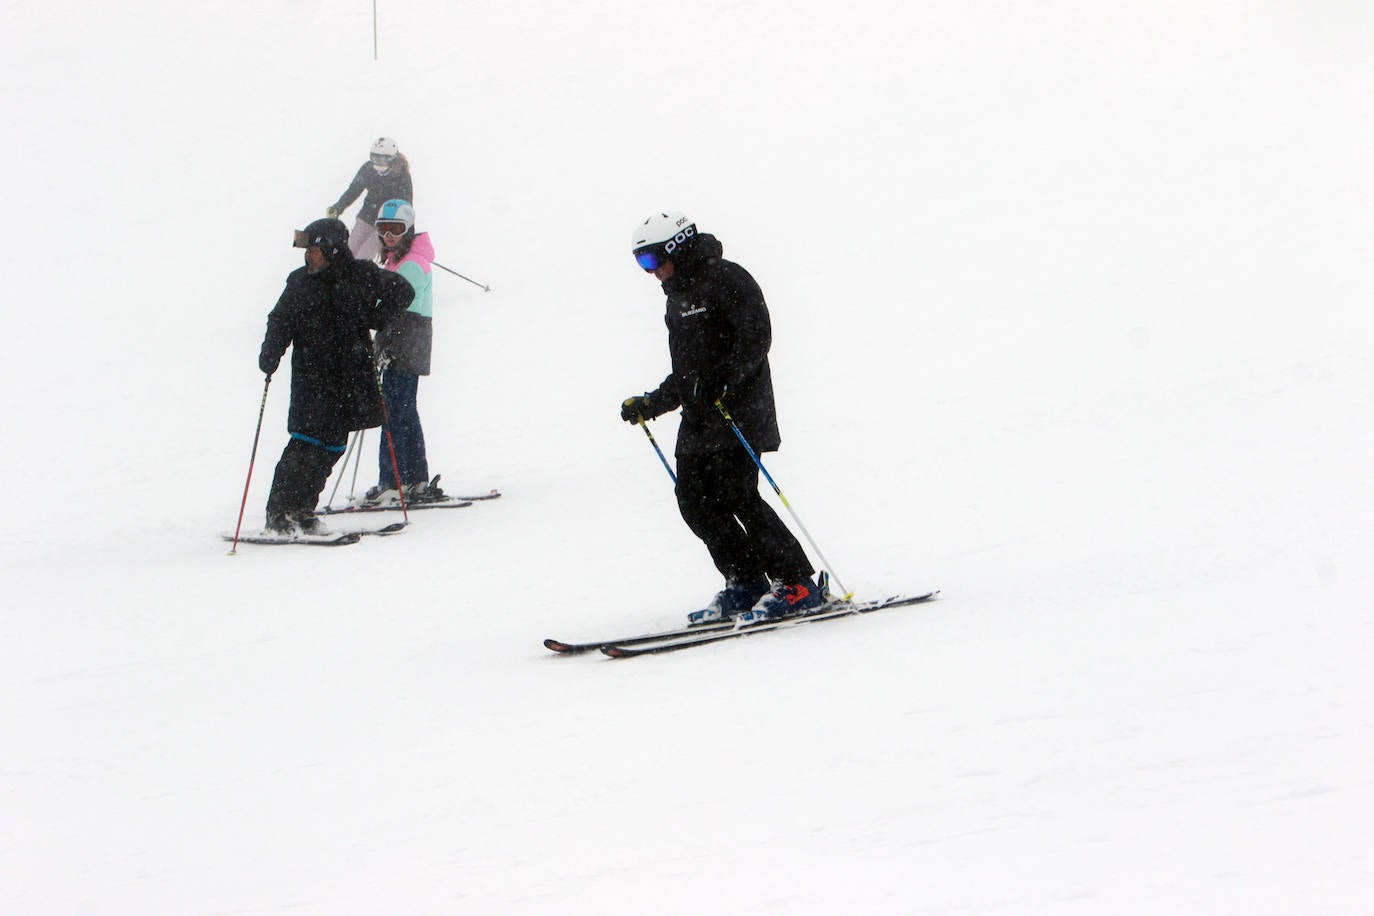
<point x="616" y="652"/>
<point x="554" y="645"/>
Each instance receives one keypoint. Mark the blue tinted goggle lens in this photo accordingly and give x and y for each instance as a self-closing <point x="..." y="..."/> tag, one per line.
<point x="649" y="260"/>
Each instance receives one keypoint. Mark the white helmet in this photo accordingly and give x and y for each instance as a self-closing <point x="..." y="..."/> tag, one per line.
<point x="384" y="151"/>
<point x="665" y="229"/>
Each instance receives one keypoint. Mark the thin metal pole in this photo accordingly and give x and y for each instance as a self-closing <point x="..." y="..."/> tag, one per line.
<point x="654" y="442"/>
<point x="484" y="287"/>
<point x="252" y="459"/>
<point x="343" y="469"/>
<point x="778" y="490"/>
<point x="358" y="462"/>
<point x="374" y="29"/>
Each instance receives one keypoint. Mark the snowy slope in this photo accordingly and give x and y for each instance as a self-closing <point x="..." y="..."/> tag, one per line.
<point x="1071" y="321"/>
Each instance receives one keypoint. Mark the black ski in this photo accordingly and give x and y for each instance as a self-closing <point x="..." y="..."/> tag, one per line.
<point x="455" y="502"/>
<point x="834" y="610"/>
<point x="571" y="648"/>
<point x="318" y="540"/>
<point x="393" y="528"/>
<point x="333" y="539"/>
<point x="447" y="501"/>
<point x="490" y="494"/>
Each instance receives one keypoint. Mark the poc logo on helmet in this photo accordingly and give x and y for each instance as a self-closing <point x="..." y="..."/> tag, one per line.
<point x="678" y="239"/>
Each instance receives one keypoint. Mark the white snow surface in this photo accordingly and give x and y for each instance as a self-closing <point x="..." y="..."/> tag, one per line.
<point x="1071" y="309"/>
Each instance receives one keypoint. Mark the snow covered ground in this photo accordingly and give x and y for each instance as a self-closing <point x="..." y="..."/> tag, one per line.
<point x="1071" y="308"/>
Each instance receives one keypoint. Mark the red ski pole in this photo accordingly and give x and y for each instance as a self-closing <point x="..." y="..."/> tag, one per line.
<point x="251" y="460"/>
<point x="390" y="444"/>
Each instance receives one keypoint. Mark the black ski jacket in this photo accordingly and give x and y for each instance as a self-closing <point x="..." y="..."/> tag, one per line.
<point x="719" y="335"/>
<point x="325" y="318"/>
<point x="395" y="184"/>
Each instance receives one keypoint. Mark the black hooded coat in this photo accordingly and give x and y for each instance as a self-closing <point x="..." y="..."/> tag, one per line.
<point x="719" y="334"/>
<point x="326" y="318"/>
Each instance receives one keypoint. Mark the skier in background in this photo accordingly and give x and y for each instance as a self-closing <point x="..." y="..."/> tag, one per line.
<point x="325" y="314"/>
<point x="403" y="351"/>
<point x="384" y="176"/>
<point x="719" y="334"/>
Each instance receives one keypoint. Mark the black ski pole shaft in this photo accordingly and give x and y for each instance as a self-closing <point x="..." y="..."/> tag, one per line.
<point x="654" y="442"/>
<point x="482" y="286"/>
<point x="778" y="490"/>
<point x="252" y="459"/>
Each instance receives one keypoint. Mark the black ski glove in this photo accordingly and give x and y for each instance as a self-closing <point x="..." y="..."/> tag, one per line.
<point x="631" y="409"/>
<point x="704" y="390"/>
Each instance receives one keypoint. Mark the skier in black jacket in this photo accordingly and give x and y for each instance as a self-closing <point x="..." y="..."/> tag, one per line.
<point x="325" y="314"/>
<point x="719" y="335"/>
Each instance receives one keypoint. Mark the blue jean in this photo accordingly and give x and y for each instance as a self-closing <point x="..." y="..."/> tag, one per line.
<point x="399" y="389"/>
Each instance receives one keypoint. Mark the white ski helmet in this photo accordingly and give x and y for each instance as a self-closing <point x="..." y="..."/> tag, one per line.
<point x="663" y="230"/>
<point x="397" y="211"/>
<point x="384" y="152"/>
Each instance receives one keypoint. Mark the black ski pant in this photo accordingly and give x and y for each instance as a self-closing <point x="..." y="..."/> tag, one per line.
<point x="302" y="472"/>
<point x="718" y="495"/>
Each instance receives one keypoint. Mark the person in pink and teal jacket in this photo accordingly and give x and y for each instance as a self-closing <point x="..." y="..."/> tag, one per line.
<point x="403" y="351"/>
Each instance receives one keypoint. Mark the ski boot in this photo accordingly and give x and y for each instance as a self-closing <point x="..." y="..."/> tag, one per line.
<point x="307" y="522"/>
<point x="280" y="525"/>
<point x="785" y="600"/>
<point x="424" y="492"/>
<point x="738" y="595"/>
<point x="381" y="496"/>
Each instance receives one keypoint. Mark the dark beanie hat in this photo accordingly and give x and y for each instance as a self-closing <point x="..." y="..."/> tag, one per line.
<point x="328" y="235"/>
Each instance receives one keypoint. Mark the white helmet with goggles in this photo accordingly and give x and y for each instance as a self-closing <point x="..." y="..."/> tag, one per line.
<point x="396" y="211"/>
<point x="384" y="152"/>
<point x="658" y="236"/>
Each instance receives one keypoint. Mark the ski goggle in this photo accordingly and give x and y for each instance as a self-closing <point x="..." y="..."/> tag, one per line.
<point x="395" y="230"/>
<point x="649" y="259"/>
<point x="381" y="159"/>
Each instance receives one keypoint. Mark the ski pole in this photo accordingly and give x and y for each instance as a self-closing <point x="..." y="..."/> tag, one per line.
<point x="357" y="463"/>
<point x="343" y="468"/>
<point x="252" y="458"/>
<point x="778" y="490"/>
<point x="484" y="287"/>
<point x="654" y="442"/>
<point x="390" y="443"/>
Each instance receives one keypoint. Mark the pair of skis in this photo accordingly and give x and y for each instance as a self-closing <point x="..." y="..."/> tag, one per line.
<point x="343" y="538"/>
<point x="447" y="502"/>
<point x="333" y="539"/>
<point x="706" y="634"/>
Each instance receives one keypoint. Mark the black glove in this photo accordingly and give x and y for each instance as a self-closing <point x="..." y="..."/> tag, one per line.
<point x="267" y="365"/>
<point x="631" y="409"/>
<point x="704" y="390"/>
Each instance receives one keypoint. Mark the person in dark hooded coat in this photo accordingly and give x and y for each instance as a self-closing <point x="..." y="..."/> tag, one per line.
<point x="719" y="335"/>
<point x="326" y="314"/>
